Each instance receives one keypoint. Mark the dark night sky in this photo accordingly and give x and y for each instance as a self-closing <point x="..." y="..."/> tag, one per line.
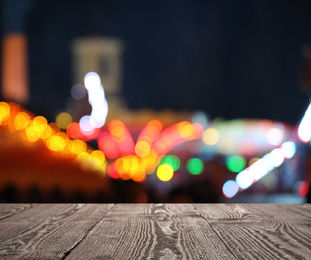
<point x="234" y="59"/>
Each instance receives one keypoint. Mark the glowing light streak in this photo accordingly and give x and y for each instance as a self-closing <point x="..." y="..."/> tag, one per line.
<point x="176" y="134"/>
<point x="97" y="100"/>
<point x="289" y="149"/>
<point x="266" y="164"/>
<point x="304" y="129"/>
<point x="277" y="156"/>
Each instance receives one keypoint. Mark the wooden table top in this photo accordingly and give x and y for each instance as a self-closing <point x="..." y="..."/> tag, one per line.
<point x="155" y="231"/>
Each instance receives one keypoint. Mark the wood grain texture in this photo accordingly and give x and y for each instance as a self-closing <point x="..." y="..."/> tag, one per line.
<point x="7" y="210"/>
<point x="48" y="231"/>
<point x="152" y="231"/>
<point x="261" y="231"/>
<point x="155" y="231"/>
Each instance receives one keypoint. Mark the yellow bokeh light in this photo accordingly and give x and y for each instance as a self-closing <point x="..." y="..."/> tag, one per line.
<point x="150" y="161"/>
<point x="186" y="130"/>
<point x="46" y="133"/>
<point x="63" y="119"/>
<point x="21" y="121"/>
<point x="98" y="155"/>
<point x="142" y="148"/>
<point x="32" y="133"/>
<point x="4" y="111"/>
<point x="39" y="120"/>
<point x="84" y="156"/>
<point x="39" y="123"/>
<point x="56" y="143"/>
<point x="165" y="172"/>
<point x="77" y="146"/>
<point x="133" y="164"/>
<point x="210" y="136"/>
<point x="99" y="160"/>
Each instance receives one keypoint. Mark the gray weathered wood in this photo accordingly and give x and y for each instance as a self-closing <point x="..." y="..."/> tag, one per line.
<point x="7" y="210"/>
<point x="48" y="231"/>
<point x="152" y="231"/>
<point x="155" y="231"/>
<point x="261" y="231"/>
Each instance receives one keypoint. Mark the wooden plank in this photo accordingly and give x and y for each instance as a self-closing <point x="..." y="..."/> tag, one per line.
<point x="152" y="231"/>
<point x="48" y="231"/>
<point x="261" y="231"/>
<point x="7" y="210"/>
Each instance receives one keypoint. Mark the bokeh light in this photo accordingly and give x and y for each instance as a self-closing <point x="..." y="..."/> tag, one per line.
<point x="210" y="136"/>
<point x="63" y="119"/>
<point x="275" y="136"/>
<point x="236" y="163"/>
<point x="92" y="81"/>
<point x="86" y="126"/>
<point x="77" y="146"/>
<point x="78" y="91"/>
<point x="57" y="142"/>
<point x="301" y="188"/>
<point x="154" y="128"/>
<point x="165" y="172"/>
<point x="107" y="145"/>
<point x="186" y="130"/>
<point x="304" y="129"/>
<point x="172" y="160"/>
<point x="142" y="148"/>
<point x="4" y="111"/>
<point x="195" y="166"/>
<point x="230" y="189"/>
<point x="21" y="120"/>
<point x="73" y="131"/>
<point x="99" y="159"/>
<point x="112" y="172"/>
<point x="97" y="100"/>
<point x="289" y="149"/>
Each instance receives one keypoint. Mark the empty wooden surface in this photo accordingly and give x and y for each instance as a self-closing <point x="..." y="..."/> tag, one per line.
<point x="155" y="231"/>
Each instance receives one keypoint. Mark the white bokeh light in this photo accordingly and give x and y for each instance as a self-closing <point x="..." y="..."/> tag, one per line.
<point x="275" y="136"/>
<point x="92" y="81"/>
<point x="304" y="129"/>
<point x="96" y="98"/>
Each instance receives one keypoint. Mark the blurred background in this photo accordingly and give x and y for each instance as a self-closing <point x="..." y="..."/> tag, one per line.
<point x="184" y="97"/>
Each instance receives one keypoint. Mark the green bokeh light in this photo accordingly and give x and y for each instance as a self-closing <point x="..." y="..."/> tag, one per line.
<point x="172" y="160"/>
<point x="195" y="166"/>
<point x="236" y="163"/>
